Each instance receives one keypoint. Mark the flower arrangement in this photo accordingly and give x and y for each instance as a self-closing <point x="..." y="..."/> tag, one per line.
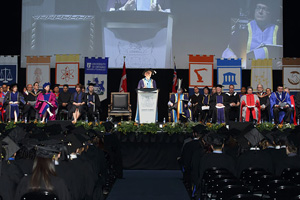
<point x="284" y="126"/>
<point x="127" y="126"/>
<point x="172" y="128"/>
<point x="214" y="127"/>
<point x="266" y="126"/>
<point x="148" y="128"/>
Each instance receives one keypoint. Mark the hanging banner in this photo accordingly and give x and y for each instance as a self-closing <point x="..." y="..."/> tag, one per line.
<point x="261" y="73"/>
<point x="291" y="73"/>
<point x="8" y="70"/>
<point x="201" y="71"/>
<point x="96" y="72"/>
<point x="229" y="72"/>
<point x="38" y="69"/>
<point x="67" y="69"/>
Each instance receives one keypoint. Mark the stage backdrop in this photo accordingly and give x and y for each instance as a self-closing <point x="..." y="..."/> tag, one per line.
<point x="229" y="72"/>
<point x="291" y="73"/>
<point x="38" y="69"/>
<point x="96" y="72"/>
<point x="67" y="69"/>
<point x="8" y="70"/>
<point x="201" y="71"/>
<point x="262" y="73"/>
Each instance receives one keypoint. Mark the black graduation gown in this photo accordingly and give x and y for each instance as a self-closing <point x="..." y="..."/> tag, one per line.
<point x="60" y="188"/>
<point x="25" y="165"/>
<point x="64" y="97"/>
<point x="195" y="165"/>
<point x="234" y="111"/>
<point x="277" y="155"/>
<point x="81" y="108"/>
<point x="29" y="110"/>
<point x="256" y="159"/>
<point x="196" y="109"/>
<point x="9" y="179"/>
<point x="92" y="109"/>
<point x="290" y="161"/>
<point x="264" y="100"/>
<point x="297" y="103"/>
<point x="188" y="151"/>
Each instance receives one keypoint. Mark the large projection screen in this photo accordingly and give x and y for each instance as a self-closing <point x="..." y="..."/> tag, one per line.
<point x="150" y="33"/>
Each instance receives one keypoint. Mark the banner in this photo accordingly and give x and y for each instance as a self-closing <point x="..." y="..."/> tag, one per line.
<point x="38" y="69"/>
<point x="291" y="73"/>
<point x="201" y="70"/>
<point x="96" y="72"/>
<point x="229" y="72"/>
<point x="67" y="69"/>
<point x="8" y="70"/>
<point x="261" y="73"/>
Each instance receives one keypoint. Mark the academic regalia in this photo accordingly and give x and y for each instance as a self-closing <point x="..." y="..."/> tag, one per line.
<point x="205" y="114"/>
<point x="77" y="98"/>
<point x="144" y="83"/>
<point x="264" y="100"/>
<point x="30" y="99"/>
<point x="277" y="113"/>
<point x="179" y="108"/>
<point x="293" y="104"/>
<point x="42" y="106"/>
<point x="10" y="108"/>
<point x="297" y="104"/>
<point x="92" y="109"/>
<point x="64" y="97"/>
<point x="218" y="114"/>
<point x="250" y="108"/>
<point x="60" y="188"/>
<point x="196" y="100"/>
<point x="234" y="111"/>
<point x="2" y="110"/>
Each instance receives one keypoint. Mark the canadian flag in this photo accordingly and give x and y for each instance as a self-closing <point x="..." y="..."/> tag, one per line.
<point x="123" y="83"/>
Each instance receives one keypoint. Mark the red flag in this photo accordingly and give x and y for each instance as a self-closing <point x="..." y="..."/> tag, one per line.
<point x="174" y="79"/>
<point x="123" y="83"/>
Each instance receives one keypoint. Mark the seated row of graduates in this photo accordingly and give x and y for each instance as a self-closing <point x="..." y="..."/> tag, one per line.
<point x="75" y="166"/>
<point x="237" y="150"/>
<point x="47" y="104"/>
<point x="231" y="106"/>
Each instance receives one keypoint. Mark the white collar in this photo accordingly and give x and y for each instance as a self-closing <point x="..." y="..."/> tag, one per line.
<point x="232" y="93"/>
<point x="254" y="148"/>
<point x="196" y="94"/>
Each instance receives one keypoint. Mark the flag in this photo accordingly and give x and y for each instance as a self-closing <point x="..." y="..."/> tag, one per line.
<point x="174" y="79"/>
<point x="123" y="83"/>
<point x="262" y="73"/>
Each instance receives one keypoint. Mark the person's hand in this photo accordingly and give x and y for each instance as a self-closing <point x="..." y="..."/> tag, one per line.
<point x="219" y="104"/>
<point x="185" y="105"/>
<point x="16" y="102"/>
<point x="64" y="104"/>
<point x="276" y="106"/>
<point x="237" y="104"/>
<point x="92" y="103"/>
<point x="286" y="106"/>
<point x="232" y="104"/>
<point x="11" y="102"/>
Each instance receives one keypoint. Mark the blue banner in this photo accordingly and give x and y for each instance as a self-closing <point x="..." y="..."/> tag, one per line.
<point x="96" y="72"/>
<point x="8" y="70"/>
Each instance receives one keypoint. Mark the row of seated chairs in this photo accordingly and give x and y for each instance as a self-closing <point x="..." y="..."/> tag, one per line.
<point x="253" y="184"/>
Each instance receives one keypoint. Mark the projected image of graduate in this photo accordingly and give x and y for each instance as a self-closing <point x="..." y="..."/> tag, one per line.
<point x="139" y="5"/>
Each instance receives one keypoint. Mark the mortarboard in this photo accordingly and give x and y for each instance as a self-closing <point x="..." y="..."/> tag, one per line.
<point x="108" y="126"/>
<point x="151" y="70"/>
<point x="46" y="84"/>
<point x="254" y="137"/>
<point x="91" y="84"/>
<point x="214" y="139"/>
<point x="53" y="129"/>
<point x="11" y="147"/>
<point x="219" y="85"/>
<point x="74" y="143"/>
<point x="17" y="134"/>
<point x="198" y="128"/>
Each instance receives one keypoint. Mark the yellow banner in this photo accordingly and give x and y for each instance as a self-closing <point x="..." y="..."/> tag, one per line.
<point x="67" y="57"/>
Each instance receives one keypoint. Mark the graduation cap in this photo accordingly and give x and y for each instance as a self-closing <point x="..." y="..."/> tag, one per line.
<point x="214" y="139"/>
<point x="198" y="128"/>
<point x="53" y="129"/>
<point x="83" y="138"/>
<point x="206" y="87"/>
<point x="39" y="134"/>
<point x="46" y="84"/>
<point x="219" y="85"/>
<point x="13" y="85"/>
<point x="108" y="126"/>
<point x="29" y="143"/>
<point x="91" y="84"/>
<point x="269" y="137"/>
<point x="279" y="136"/>
<point x="293" y="139"/>
<point x="74" y="143"/>
<point x="11" y="147"/>
<point x="151" y="70"/>
<point x="17" y="134"/>
<point x="254" y="137"/>
<point x="48" y="149"/>
<point x="78" y="130"/>
<point x="2" y="127"/>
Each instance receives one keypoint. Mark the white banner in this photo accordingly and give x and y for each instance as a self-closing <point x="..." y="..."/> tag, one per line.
<point x="261" y="73"/>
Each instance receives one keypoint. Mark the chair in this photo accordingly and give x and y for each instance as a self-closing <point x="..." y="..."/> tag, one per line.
<point x="120" y="105"/>
<point x="284" y="192"/>
<point x="288" y="173"/>
<point x="245" y="197"/>
<point x="230" y="190"/>
<point x="274" y="184"/>
<point x="63" y="112"/>
<point x="246" y="172"/>
<point x="40" y="195"/>
<point x="170" y="110"/>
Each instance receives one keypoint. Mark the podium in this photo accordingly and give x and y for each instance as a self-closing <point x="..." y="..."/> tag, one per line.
<point x="147" y="104"/>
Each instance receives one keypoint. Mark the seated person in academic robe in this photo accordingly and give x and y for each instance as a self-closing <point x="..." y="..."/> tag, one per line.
<point x="64" y="99"/>
<point x="78" y="103"/>
<point x="293" y="106"/>
<point x="43" y="176"/>
<point x="233" y="99"/>
<point x="205" y="109"/>
<point x="196" y="100"/>
<point x="93" y="103"/>
<point x="218" y="106"/>
<point x="2" y="110"/>
<point x="297" y="105"/>
<point x="13" y="101"/>
<point x="264" y="103"/>
<point x="250" y="106"/>
<point x="46" y="103"/>
<point x="179" y="106"/>
<point x="292" y="160"/>
<point x="254" y="157"/>
<point x="30" y="99"/>
<point x="280" y="106"/>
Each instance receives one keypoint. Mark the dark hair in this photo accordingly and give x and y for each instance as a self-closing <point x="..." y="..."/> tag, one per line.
<point x="35" y="83"/>
<point x="66" y="85"/>
<point x="79" y="85"/>
<point x="43" y="169"/>
<point x="249" y="87"/>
